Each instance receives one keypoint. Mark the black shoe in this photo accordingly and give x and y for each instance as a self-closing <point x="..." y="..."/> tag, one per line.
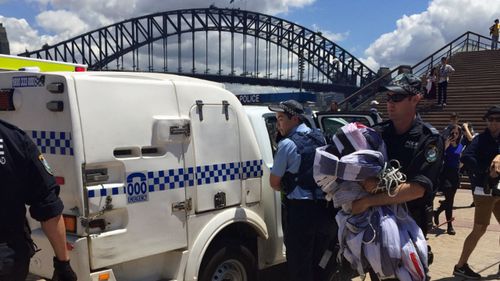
<point x="466" y="272"/>
<point x="450" y="230"/>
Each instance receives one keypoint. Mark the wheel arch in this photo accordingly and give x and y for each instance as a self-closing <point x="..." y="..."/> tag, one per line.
<point x="240" y="221"/>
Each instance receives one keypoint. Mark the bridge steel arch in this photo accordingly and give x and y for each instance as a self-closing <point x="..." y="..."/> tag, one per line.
<point x="101" y="47"/>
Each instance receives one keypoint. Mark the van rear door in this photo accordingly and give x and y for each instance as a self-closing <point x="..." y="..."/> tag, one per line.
<point x="136" y="174"/>
<point x="42" y="107"/>
<point x="216" y="142"/>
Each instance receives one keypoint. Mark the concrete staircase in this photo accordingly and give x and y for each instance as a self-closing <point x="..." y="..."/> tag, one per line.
<point x="473" y="88"/>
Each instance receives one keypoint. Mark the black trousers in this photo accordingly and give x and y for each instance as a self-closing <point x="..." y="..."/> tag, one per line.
<point x="450" y="180"/>
<point x="442" y="91"/>
<point x="19" y="272"/>
<point x="310" y="227"/>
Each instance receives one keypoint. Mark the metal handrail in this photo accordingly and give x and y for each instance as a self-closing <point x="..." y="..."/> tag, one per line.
<point x="469" y="41"/>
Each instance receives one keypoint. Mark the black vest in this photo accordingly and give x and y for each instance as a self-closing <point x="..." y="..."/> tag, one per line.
<point x="306" y="146"/>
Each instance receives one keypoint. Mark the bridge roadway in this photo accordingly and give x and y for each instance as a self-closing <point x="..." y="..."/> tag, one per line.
<point x="485" y="259"/>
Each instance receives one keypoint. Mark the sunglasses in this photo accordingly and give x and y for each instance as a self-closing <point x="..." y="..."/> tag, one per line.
<point x="396" y="97"/>
<point x="493" y="119"/>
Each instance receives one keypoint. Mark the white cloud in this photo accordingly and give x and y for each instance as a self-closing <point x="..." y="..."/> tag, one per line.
<point x="418" y="36"/>
<point x="22" y="36"/>
<point x="370" y="62"/>
<point x="62" y="23"/>
<point x="335" y="37"/>
<point x="97" y="12"/>
<point x="68" y="18"/>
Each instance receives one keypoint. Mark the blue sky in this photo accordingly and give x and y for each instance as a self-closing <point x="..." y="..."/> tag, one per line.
<point x="363" y="20"/>
<point x="380" y="32"/>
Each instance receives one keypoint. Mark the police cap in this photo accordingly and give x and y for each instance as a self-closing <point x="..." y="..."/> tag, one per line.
<point x="404" y="83"/>
<point x="292" y="107"/>
<point x="492" y="110"/>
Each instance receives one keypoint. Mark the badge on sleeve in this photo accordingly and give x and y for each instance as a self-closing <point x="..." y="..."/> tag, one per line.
<point x="431" y="153"/>
<point x="45" y="164"/>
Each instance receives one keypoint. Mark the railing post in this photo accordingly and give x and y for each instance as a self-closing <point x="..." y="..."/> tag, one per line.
<point x="467" y="42"/>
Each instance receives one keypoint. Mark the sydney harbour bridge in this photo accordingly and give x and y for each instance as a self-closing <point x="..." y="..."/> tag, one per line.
<point x="224" y="45"/>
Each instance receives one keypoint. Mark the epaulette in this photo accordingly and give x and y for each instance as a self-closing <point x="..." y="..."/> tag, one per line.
<point x="430" y="128"/>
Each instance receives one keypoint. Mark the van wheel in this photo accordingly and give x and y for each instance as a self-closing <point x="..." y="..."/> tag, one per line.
<point x="229" y="261"/>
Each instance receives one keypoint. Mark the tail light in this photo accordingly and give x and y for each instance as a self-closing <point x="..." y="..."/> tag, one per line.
<point x="104" y="276"/>
<point x="7" y="100"/>
<point x="70" y="223"/>
<point x="60" y="180"/>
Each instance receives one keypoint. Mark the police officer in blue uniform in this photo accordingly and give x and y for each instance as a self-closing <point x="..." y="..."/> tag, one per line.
<point x="415" y="144"/>
<point x="309" y="220"/>
<point x="26" y="179"/>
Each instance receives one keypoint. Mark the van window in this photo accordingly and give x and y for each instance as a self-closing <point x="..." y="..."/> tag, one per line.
<point x="330" y="125"/>
<point x="272" y="130"/>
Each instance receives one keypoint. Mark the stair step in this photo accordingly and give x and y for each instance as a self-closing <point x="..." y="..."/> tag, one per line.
<point x="473" y="88"/>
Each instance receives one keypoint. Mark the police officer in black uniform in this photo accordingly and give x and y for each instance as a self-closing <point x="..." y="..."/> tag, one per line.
<point x="26" y="179"/>
<point x="415" y="144"/>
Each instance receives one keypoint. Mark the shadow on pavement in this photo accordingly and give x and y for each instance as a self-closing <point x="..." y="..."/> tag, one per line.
<point x="453" y="278"/>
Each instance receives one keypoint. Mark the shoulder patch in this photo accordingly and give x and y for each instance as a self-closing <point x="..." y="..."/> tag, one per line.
<point x="431" y="153"/>
<point x="45" y="164"/>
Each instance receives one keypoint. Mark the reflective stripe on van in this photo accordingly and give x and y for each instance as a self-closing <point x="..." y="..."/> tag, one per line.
<point x="51" y="142"/>
<point x="180" y="178"/>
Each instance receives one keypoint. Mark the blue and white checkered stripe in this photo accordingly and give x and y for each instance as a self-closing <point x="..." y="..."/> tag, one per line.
<point x="171" y="179"/>
<point x="218" y="173"/>
<point x="181" y="178"/>
<point x="106" y="191"/>
<point x="251" y="169"/>
<point x="51" y="142"/>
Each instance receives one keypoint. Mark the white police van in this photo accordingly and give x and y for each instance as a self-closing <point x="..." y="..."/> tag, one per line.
<point x="163" y="177"/>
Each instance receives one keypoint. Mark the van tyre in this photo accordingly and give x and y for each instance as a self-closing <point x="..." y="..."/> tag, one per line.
<point x="228" y="260"/>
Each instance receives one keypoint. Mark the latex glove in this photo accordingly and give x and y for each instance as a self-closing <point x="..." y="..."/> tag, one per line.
<point x="63" y="271"/>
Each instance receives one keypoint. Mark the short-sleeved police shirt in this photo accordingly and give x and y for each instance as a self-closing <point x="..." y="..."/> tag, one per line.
<point x="287" y="159"/>
<point x="420" y="153"/>
<point x="26" y="180"/>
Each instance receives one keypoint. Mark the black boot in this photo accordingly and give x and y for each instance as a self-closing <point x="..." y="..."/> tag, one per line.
<point x="450" y="230"/>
